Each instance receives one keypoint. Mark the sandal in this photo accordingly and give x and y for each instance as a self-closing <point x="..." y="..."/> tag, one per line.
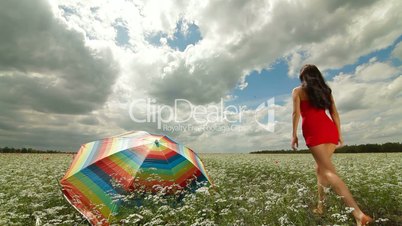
<point x="319" y="209"/>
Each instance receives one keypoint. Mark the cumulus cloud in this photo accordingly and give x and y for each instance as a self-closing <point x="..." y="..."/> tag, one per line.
<point x="345" y="31"/>
<point x="47" y="67"/>
<point x="239" y="37"/>
<point x="369" y="108"/>
<point x="375" y="71"/>
<point x="329" y="34"/>
<point x="47" y="76"/>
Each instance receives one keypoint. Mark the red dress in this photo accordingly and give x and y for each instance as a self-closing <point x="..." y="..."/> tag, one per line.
<point x="317" y="127"/>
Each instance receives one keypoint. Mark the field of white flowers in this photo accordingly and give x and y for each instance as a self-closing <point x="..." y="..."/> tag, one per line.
<point x="270" y="189"/>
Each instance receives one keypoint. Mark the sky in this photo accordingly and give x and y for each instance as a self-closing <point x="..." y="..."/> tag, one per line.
<point x="76" y="71"/>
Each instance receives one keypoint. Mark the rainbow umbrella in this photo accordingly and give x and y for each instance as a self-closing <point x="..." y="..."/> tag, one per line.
<point x="104" y="171"/>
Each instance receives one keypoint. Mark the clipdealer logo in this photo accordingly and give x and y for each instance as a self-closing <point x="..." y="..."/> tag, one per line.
<point x="206" y="117"/>
<point x="265" y="115"/>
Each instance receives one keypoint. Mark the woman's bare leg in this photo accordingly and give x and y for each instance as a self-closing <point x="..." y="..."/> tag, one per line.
<point x="322" y="184"/>
<point x="322" y="154"/>
<point x="319" y="209"/>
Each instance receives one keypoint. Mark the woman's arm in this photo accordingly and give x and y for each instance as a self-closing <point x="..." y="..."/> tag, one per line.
<point x="295" y="117"/>
<point x="335" y="117"/>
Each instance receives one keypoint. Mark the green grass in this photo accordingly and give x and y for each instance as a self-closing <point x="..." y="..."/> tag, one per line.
<point x="273" y="189"/>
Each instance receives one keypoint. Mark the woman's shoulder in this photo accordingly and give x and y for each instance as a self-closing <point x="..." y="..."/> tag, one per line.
<point x="300" y="92"/>
<point x="297" y="89"/>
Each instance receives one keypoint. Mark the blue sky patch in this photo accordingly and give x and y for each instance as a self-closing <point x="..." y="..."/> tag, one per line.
<point x="180" y="39"/>
<point x="122" y="37"/>
<point x="274" y="82"/>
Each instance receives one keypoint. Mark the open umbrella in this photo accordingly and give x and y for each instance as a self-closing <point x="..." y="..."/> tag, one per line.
<point x="105" y="170"/>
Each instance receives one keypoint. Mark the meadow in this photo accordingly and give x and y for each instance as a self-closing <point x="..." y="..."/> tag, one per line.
<point x="251" y="189"/>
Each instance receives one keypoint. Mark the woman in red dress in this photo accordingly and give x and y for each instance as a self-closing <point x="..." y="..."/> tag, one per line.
<point x="322" y="135"/>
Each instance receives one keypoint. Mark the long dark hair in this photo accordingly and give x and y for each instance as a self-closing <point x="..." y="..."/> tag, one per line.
<point x="313" y="82"/>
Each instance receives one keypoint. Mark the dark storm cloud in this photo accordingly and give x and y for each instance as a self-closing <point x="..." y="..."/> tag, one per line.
<point x="46" y="67"/>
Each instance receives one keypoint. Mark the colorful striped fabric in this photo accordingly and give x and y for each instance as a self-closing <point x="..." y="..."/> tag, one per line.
<point x="131" y="161"/>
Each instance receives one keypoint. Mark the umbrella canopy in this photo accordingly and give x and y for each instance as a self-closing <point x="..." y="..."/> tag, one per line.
<point x="105" y="170"/>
